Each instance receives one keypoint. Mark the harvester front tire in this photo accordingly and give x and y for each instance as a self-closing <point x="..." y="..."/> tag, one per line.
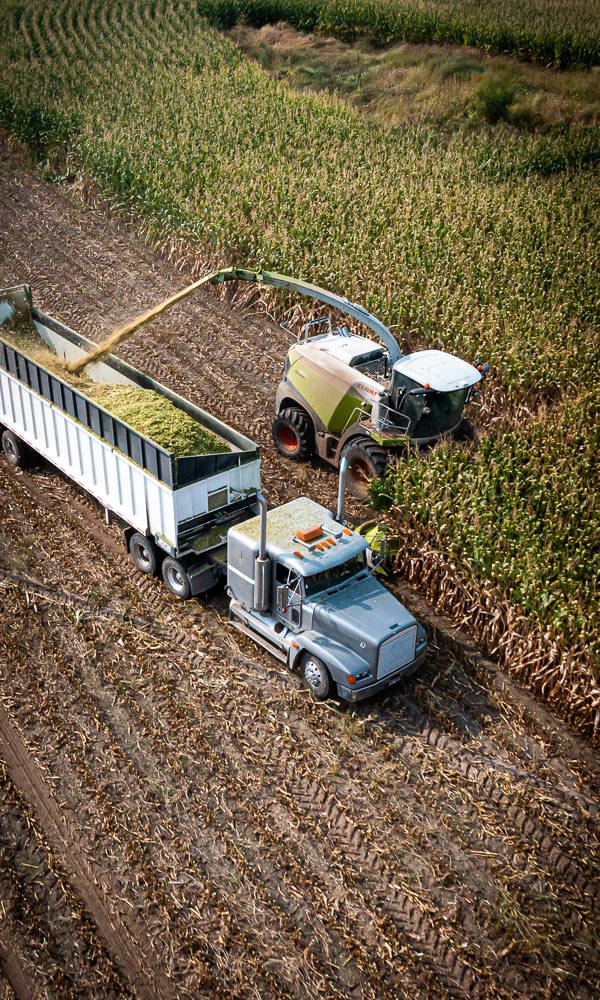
<point x="366" y="461"/>
<point x="294" y="434"/>
<point x="15" y="450"/>
<point x="465" y="431"/>
<point x="316" y="677"/>
<point x="176" y="578"/>
<point x="143" y="554"/>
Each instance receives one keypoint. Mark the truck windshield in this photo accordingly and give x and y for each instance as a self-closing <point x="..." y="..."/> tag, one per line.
<point x="334" y="576"/>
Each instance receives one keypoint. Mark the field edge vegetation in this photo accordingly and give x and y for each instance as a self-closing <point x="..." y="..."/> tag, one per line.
<point x="479" y="244"/>
<point x="535" y="30"/>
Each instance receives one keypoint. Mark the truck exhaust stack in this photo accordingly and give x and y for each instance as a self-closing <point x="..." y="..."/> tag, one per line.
<point x="341" y="490"/>
<point x="261" y="566"/>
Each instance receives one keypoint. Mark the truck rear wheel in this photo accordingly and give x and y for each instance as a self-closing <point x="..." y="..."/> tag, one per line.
<point x="15" y="450"/>
<point x="143" y="553"/>
<point x="293" y="434"/>
<point x="366" y="461"/>
<point x="176" y="578"/>
<point x="316" y="677"/>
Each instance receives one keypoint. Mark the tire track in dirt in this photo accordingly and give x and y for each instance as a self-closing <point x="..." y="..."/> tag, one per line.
<point x="181" y="643"/>
<point x="151" y="722"/>
<point x="11" y="966"/>
<point x="237" y="791"/>
<point x="36" y="901"/>
<point x="125" y="940"/>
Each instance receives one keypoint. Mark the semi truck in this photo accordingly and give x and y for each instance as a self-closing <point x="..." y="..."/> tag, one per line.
<point x="297" y="576"/>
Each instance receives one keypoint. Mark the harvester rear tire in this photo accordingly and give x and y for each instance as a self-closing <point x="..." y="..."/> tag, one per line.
<point x="15" y="450"/>
<point x="176" y="578"/>
<point x="366" y="461"/>
<point x="294" y="434"/>
<point x="143" y="553"/>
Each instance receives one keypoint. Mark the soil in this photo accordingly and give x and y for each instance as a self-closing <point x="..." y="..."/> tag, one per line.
<point x="178" y="818"/>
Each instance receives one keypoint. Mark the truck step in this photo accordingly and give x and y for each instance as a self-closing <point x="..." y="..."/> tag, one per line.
<point x="260" y="640"/>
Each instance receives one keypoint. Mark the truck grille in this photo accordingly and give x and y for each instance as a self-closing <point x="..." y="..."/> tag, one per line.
<point x="397" y="652"/>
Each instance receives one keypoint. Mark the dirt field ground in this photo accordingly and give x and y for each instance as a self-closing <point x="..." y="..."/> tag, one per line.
<point x="177" y="817"/>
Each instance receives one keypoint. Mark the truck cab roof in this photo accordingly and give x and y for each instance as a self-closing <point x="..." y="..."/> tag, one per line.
<point x="303" y="535"/>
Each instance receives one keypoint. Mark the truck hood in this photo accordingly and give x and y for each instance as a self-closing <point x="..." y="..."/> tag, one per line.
<point x="361" y="612"/>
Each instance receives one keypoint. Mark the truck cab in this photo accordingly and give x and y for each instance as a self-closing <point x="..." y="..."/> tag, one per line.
<point x="300" y="586"/>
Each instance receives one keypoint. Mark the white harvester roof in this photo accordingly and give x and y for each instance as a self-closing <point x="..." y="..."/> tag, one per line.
<point x="442" y="372"/>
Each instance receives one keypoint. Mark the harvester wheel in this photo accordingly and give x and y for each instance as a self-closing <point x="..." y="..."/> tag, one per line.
<point x="366" y="461"/>
<point x="316" y="677"/>
<point x="143" y="553"/>
<point x="293" y="434"/>
<point x="15" y="450"/>
<point x="176" y="578"/>
<point x="465" y="431"/>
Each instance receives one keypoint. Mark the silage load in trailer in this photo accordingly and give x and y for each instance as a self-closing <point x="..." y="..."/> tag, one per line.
<point x="144" y="410"/>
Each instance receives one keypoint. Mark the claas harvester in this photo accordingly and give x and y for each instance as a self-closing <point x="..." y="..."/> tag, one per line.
<point x="346" y="396"/>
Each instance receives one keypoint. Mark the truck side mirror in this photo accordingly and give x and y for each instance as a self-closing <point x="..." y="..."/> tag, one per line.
<point x="282" y="596"/>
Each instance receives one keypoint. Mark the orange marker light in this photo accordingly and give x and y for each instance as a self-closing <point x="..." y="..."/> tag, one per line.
<point x="297" y="553"/>
<point x="307" y="534"/>
<point x="347" y="531"/>
<point x="351" y="678"/>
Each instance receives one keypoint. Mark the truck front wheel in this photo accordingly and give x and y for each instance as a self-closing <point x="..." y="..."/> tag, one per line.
<point x="15" y="451"/>
<point x="293" y="434"/>
<point x="176" y="578"/>
<point x="366" y="461"/>
<point x="316" y="677"/>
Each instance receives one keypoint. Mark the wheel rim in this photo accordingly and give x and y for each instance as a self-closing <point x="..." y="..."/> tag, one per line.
<point x="10" y="450"/>
<point x="175" y="579"/>
<point x="313" y="675"/>
<point x="142" y="556"/>
<point x="288" y="438"/>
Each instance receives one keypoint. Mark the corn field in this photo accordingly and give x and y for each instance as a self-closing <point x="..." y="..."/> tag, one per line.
<point x="550" y="32"/>
<point x="482" y="242"/>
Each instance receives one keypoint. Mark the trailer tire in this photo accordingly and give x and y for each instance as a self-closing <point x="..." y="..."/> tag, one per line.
<point x="366" y="461"/>
<point x="15" y="450"/>
<point x="143" y="553"/>
<point x="176" y="579"/>
<point x="316" y="677"/>
<point x="294" y="434"/>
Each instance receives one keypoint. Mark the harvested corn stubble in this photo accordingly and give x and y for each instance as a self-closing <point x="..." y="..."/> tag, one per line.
<point x="156" y="418"/>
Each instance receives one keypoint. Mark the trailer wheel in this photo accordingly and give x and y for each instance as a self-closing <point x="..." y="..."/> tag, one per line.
<point x="293" y="434"/>
<point x="15" y="450"/>
<point x="143" y="553"/>
<point x="176" y="578"/>
<point x="316" y="677"/>
<point x="366" y="461"/>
